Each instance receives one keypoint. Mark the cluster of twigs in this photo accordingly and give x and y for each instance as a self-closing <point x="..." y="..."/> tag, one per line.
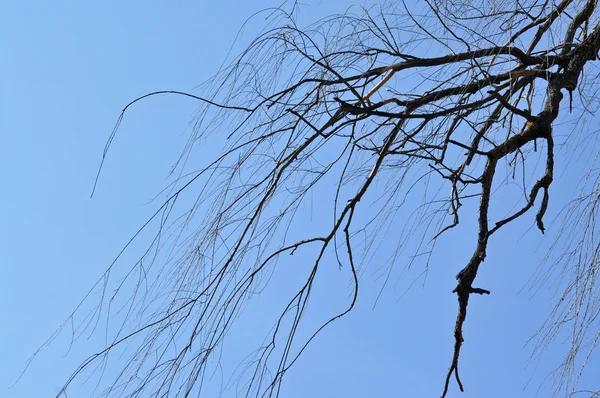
<point x="343" y="101"/>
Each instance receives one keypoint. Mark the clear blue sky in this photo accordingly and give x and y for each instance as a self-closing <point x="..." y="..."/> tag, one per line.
<point x="68" y="69"/>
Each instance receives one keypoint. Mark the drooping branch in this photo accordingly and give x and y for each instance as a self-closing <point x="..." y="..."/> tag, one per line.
<point x="329" y="110"/>
<point x="539" y="126"/>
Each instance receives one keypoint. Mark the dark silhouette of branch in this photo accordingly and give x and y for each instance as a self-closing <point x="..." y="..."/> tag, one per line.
<point x="329" y="110"/>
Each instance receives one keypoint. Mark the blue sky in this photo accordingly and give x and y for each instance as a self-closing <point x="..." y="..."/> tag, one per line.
<point x="69" y="67"/>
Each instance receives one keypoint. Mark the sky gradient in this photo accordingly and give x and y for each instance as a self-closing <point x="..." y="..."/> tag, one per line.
<point x="69" y="68"/>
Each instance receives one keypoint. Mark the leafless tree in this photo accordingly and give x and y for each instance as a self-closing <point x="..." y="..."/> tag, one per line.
<point x="452" y="99"/>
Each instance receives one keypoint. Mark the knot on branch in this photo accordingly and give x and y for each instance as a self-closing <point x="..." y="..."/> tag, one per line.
<point x="569" y="80"/>
<point x="460" y="289"/>
<point x="348" y="107"/>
